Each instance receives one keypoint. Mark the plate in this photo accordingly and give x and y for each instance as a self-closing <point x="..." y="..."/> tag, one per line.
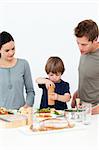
<point x="27" y="131"/>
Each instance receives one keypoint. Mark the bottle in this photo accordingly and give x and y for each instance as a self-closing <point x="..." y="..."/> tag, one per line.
<point x="77" y="102"/>
<point x="51" y="89"/>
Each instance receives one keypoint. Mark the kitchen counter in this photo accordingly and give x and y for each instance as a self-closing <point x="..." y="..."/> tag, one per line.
<point x="83" y="138"/>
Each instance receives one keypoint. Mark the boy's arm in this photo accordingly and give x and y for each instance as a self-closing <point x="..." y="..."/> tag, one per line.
<point x="47" y="82"/>
<point x="63" y="98"/>
<point x="41" y="80"/>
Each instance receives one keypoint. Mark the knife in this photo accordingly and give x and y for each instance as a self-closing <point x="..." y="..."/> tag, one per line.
<point x="4" y="120"/>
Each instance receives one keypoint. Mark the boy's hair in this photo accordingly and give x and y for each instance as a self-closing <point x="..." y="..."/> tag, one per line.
<point x="87" y="28"/>
<point x="54" y="65"/>
<point x="5" y="37"/>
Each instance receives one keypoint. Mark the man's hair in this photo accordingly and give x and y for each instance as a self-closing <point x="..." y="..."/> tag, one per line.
<point x="54" y="65"/>
<point x="87" y="28"/>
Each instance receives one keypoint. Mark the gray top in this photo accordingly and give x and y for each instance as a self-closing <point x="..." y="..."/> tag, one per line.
<point x="89" y="77"/>
<point x="12" y="83"/>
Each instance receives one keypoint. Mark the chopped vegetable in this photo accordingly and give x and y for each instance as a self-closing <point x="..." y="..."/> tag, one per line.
<point x="44" y="110"/>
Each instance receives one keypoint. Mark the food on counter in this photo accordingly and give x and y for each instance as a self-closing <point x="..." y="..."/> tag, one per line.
<point x="74" y="110"/>
<point x="75" y="114"/>
<point x="52" y="124"/>
<point x="44" y="110"/>
<point x="58" y="123"/>
<point x="12" y="121"/>
<point x="28" y="113"/>
<point x="4" y="111"/>
<point x="48" y="113"/>
<point x="50" y="110"/>
<point x="15" y="118"/>
<point x="43" y="113"/>
<point x="24" y="110"/>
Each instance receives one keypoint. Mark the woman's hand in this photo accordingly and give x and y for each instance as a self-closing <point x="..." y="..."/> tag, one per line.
<point x="26" y="106"/>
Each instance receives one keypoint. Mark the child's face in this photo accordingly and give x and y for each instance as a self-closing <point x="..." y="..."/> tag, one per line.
<point x="54" y="77"/>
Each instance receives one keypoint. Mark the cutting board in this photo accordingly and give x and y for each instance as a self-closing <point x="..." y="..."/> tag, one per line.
<point x="13" y="121"/>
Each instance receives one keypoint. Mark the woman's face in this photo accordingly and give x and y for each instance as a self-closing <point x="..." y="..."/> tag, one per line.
<point x="7" y="51"/>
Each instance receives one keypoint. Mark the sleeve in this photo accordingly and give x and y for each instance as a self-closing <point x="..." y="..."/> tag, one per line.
<point x="42" y="86"/>
<point x="67" y="88"/>
<point x="30" y="94"/>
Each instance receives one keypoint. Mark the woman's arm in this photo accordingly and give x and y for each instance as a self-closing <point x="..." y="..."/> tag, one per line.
<point x="30" y="94"/>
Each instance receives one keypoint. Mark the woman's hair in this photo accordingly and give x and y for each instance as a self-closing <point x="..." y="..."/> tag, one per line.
<point x="5" y="37"/>
<point x="87" y="28"/>
<point x="54" y="65"/>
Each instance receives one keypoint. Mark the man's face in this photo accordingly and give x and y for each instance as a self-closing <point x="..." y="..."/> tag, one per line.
<point x="84" y="45"/>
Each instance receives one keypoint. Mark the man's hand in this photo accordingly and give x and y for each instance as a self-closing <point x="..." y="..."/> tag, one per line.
<point x="95" y="110"/>
<point x="73" y="103"/>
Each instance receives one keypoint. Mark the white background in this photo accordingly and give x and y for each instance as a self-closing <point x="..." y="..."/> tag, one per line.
<point x="45" y="28"/>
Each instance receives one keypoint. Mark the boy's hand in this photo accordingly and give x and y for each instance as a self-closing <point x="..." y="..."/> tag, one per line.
<point x="49" y="83"/>
<point x="53" y="96"/>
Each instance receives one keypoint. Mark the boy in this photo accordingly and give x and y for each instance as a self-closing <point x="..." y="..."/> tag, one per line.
<point x="60" y="93"/>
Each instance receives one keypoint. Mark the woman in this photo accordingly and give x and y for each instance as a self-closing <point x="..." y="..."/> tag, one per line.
<point x="14" y="75"/>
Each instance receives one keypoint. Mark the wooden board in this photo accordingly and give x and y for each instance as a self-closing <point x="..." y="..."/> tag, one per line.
<point x="12" y="121"/>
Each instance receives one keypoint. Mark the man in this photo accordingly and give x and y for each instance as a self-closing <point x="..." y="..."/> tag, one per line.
<point x="87" y="33"/>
